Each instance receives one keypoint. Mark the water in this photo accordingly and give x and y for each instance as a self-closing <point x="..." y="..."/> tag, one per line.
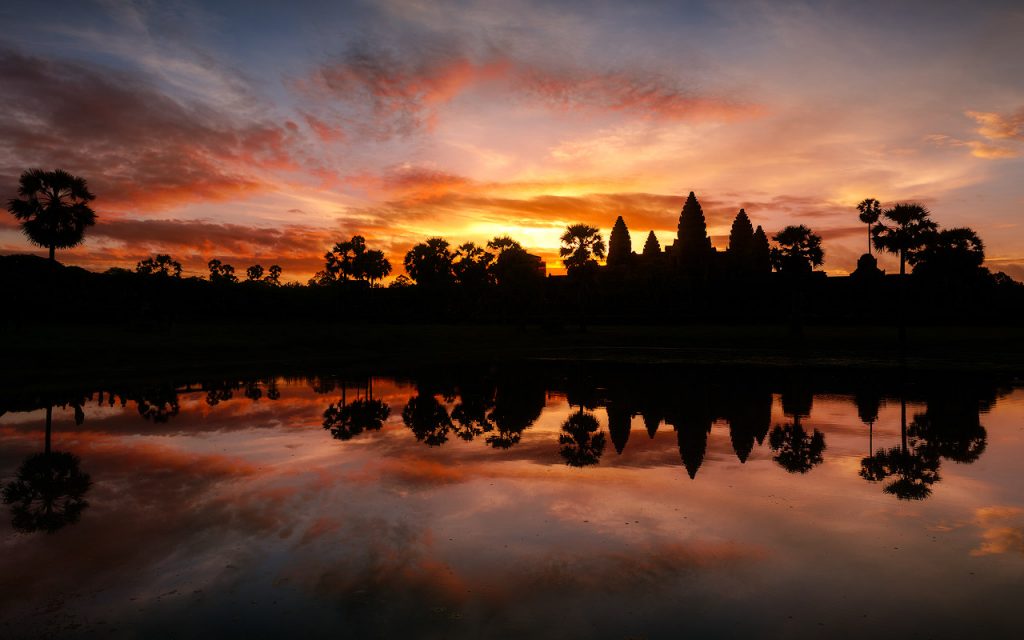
<point x="539" y="501"/>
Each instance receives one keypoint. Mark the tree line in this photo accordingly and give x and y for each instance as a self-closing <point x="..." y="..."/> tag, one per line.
<point x="54" y="210"/>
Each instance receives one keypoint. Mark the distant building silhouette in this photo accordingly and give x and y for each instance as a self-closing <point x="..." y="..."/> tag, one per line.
<point x="620" y="248"/>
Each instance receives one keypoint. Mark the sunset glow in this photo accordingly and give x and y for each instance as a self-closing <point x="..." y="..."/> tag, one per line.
<point x="259" y="134"/>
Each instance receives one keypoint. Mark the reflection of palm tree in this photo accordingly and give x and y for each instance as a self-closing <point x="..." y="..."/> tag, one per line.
<point x="469" y="416"/>
<point x="517" y="405"/>
<point x="48" y="492"/>
<point x="580" y="445"/>
<point x="159" y="405"/>
<point x="913" y="472"/>
<point x="950" y="428"/>
<point x="347" y="420"/>
<point x="868" y="403"/>
<point x="796" y="450"/>
<point x="49" y="489"/>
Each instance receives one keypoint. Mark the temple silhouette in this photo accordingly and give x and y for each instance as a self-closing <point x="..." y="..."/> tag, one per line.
<point x="691" y="253"/>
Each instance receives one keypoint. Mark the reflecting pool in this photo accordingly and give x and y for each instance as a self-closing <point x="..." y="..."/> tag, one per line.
<point x="545" y="500"/>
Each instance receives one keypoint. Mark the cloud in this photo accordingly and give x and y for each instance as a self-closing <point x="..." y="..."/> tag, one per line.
<point x="391" y="93"/>
<point x="138" y="147"/>
<point x="1001" y="134"/>
<point x="995" y="126"/>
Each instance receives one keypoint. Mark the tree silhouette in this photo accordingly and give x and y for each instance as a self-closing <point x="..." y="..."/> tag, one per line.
<point x="339" y="262"/>
<point x="907" y="229"/>
<point x="799" y="250"/>
<point x="401" y="282"/>
<point x="870" y="210"/>
<point x="430" y="263"/>
<point x="472" y="265"/>
<point x="620" y="248"/>
<point x="371" y="265"/>
<point x="580" y="444"/>
<point x="581" y="244"/>
<point x="159" y="265"/>
<point x="53" y="208"/>
<point x="220" y="272"/>
<point x="254" y="273"/>
<point x="273" y="276"/>
<point x="956" y="253"/>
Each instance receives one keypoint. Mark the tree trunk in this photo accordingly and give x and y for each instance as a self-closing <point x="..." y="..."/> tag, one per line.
<point x="903" y="423"/>
<point x="903" y="263"/>
<point x="53" y="251"/>
<point x="869" y="239"/>
<point x="49" y="425"/>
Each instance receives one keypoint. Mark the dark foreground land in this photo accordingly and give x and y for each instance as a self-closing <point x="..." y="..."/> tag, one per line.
<point x="51" y="354"/>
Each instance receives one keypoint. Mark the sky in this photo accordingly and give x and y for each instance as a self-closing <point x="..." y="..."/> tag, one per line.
<point x="258" y="132"/>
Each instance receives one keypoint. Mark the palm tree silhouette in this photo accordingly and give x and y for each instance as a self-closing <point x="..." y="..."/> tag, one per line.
<point x="581" y="243"/>
<point x="870" y="210"/>
<point x="908" y="229"/>
<point x="53" y="208"/>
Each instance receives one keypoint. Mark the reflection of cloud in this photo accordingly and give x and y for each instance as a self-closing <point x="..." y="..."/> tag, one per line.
<point x="1002" y="530"/>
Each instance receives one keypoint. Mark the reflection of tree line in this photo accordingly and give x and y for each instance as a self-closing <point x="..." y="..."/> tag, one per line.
<point x="499" y="407"/>
<point x="49" y="489"/>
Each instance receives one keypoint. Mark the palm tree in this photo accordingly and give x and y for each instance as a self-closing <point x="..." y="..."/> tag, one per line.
<point x="254" y="273"/>
<point x="430" y="263"/>
<point x="908" y="231"/>
<point x="581" y="243"/>
<point x="471" y="265"/>
<point x="53" y="208"/>
<point x="870" y="210"/>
